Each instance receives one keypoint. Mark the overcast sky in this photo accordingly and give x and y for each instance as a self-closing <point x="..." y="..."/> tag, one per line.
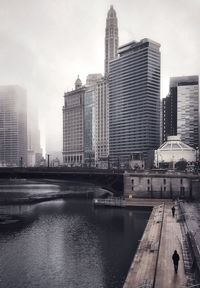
<point x="45" y="44"/>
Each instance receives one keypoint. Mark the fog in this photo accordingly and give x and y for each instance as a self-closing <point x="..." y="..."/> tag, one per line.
<point x="45" y="44"/>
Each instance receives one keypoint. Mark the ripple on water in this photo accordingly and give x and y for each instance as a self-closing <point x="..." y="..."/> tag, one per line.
<point x="70" y="244"/>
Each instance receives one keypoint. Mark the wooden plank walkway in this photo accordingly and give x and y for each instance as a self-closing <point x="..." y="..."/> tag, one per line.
<point x="171" y="239"/>
<point x="145" y="202"/>
<point x="152" y="265"/>
<point x="142" y="271"/>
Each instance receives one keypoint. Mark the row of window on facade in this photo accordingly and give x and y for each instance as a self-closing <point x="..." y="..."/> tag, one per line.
<point x="164" y="181"/>
<point x="73" y="159"/>
<point x="164" y="189"/>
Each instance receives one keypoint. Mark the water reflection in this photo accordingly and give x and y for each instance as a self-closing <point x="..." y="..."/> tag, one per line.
<point x="24" y="189"/>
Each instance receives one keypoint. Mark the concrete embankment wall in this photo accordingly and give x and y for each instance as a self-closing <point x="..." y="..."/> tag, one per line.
<point x="143" y="268"/>
<point x="165" y="185"/>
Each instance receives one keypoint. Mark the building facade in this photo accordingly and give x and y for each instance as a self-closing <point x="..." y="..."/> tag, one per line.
<point x="101" y="123"/>
<point x="111" y="38"/>
<point x="181" y="110"/>
<point x="173" y="151"/>
<point x="102" y="94"/>
<point x="79" y="123"/>
<point x="34" y="147"/>
<point x="73" y="126"/>
<point x="13" y="126"/>
<point x="89" y="118"/>
<point x="161" y="185"/>
<point x="134" y="101"/>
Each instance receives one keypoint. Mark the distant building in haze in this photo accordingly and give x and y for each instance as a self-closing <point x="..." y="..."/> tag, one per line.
<point x="134" y="101"/>
<point x="180" y="110"/>
<point x="34" y="148"/>
<point x="13" y="126"/>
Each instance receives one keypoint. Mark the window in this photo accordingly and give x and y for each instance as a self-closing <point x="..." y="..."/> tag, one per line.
<point x="164" y="181"/>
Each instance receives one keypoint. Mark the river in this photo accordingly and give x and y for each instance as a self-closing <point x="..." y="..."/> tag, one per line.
<point x="67" y="243"/>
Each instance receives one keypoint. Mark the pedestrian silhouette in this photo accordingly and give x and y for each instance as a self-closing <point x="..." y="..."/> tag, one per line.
<point x="175" y="258"/>
<point x="173" y="211"/>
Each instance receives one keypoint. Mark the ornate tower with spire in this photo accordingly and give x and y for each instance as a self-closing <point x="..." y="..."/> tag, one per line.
<point x="111" y="38"/>
<point x="78" y="83"/>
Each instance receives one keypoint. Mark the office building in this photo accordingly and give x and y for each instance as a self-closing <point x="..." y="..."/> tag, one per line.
<point x="92" y="79"/>
<point x="34" y="148"/>
<point x="13" y="126"/>
<point x="134" y="101"/>
<point x="101" y="123"/>
<point x="73" y="126"/>
<point x="79" y="123"/>
<point x="89" y="118"/>
<point x="101" y="95"/>
<point x="180" y="110"/>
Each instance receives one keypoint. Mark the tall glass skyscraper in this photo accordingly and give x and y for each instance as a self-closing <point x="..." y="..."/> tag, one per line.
<point x="13" y="126"/>
<point x="181" y="110"/>
<point x="134" y="100"/>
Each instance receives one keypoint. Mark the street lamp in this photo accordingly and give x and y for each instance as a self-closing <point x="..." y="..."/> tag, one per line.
<point x="48" y="155"/>
<point x="108" y="162"/>
<point x="197" y="148"/>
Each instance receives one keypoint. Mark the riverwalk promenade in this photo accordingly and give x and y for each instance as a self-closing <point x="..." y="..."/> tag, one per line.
<point x="152" y="265"/>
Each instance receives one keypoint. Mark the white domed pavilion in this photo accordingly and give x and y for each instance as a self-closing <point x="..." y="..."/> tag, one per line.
<point x="174" y="150"/>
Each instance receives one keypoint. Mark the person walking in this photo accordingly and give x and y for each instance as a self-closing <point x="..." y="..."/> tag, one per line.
<point x="173" y="211"/>
<point x="175" y="258"/>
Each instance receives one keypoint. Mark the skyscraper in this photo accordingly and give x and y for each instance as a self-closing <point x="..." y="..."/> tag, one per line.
<point x="111" y="38"/>
<point x="181" y="110"/>
<point x="73" y="125"/>
<point x="101" y="122"/>
<point x="34" y="148"/>
<point x="102" y="88"/>
<point x="79" y="123"/>
<point x="13" y="126"/>
<point x="89" y="116"/>
<point x="134" y="100"/>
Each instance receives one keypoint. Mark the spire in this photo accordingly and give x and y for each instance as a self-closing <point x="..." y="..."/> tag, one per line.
<point x="111" y="12"/>
<point x="111" y="38"/>
<point x="78" y="83"/>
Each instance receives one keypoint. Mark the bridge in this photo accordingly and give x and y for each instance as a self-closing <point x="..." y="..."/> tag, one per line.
<point x="108" y="179"/>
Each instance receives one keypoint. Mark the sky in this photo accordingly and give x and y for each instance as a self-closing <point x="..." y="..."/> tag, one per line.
<point x="45" y="44"/>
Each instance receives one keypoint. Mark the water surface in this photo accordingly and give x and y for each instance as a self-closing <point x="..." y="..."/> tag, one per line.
<point x="68" y="243"/>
